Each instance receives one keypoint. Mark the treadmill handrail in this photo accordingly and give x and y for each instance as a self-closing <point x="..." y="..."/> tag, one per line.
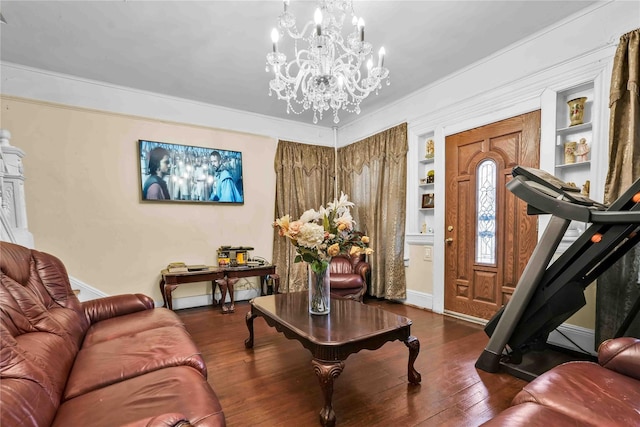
<point x="620" y="217"/>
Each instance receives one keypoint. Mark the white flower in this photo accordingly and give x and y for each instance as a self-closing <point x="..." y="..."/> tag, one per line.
<point x="345" y="219"/>
<point x="310" y="216"/>
<point x="311" y="235"/>
<point x="340" y="206"/>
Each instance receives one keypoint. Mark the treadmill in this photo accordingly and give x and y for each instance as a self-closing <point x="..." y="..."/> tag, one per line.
<point x="548" y="293"/>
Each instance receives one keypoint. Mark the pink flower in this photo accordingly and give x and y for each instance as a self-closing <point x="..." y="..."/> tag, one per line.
<point x="294" y="228"/>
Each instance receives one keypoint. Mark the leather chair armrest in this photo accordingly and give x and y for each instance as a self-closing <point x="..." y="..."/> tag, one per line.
<point x="362" y="269"/>
<point x="621" y="355"/>
<point x="117" y="305"/>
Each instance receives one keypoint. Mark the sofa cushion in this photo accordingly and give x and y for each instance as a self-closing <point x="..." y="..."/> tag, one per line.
<point x="109" y="329"/>
<point x="582" y="391"/>
<point x="178" y="389"/>
<point x="121" y="358"/>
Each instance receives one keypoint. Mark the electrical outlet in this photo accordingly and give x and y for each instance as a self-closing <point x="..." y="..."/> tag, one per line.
<point x="428" y="253"/>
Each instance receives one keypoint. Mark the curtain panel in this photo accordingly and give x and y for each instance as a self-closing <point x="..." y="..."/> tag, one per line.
<point x="373" y="172"/>
<point x="619" y="287"/>
<point x="304" y="180"/>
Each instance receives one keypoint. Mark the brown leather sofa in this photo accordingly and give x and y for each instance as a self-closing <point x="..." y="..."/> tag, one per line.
<point x="114" y="361"/>
<point x="600" y="394"/>
<point x="348" y="276"/>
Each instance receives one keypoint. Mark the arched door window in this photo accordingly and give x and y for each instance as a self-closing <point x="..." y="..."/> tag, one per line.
<point x="486" y="178"/>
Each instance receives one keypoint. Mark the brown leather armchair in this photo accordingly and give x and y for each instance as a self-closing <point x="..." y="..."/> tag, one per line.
<point x="348" y="276"/>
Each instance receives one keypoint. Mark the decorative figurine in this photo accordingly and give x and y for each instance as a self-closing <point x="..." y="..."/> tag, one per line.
<point x="569" y="152"/>
<point x="430" y="149"/>
<point x="582" y="151"/>
<point x="576" y="110"/>
<point x="430" y="176"/>
<point x="424" y="228"/>
<point x="586" y="188"/>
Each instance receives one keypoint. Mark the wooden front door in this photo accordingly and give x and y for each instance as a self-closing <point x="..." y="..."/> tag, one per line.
<point x="489" y="236"/>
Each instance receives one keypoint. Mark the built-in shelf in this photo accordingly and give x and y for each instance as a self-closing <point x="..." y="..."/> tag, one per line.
<point x="586" y="164"/>
<point x="422" y="229"/>
<point x="584" y="127"/>
<point x="567" y="164"/>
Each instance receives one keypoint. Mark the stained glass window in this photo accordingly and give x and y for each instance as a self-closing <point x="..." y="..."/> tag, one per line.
<point x="486" y="212"/>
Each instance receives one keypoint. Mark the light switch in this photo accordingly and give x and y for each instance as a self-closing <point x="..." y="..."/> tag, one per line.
<point x="427" y="253"/>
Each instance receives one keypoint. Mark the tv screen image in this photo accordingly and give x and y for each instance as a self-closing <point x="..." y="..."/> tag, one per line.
<point x="184" y="173"/>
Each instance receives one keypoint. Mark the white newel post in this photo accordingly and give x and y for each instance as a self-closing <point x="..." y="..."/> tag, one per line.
<point x="13" y="208"/>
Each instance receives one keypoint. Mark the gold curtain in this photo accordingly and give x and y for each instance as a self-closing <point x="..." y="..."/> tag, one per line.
<point x="304" y="180"/>
<point x="373" y="172"/>
<point x="624" y="119"/>
<point x="618" y="286"/>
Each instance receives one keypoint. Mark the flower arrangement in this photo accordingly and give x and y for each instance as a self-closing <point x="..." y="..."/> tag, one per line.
<point x="320" y="235"/>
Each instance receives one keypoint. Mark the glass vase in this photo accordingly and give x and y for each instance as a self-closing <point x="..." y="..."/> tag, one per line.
<point x="319" y="300"/>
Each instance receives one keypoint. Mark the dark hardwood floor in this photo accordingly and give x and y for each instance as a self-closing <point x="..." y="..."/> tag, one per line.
<point x="273" y="384"/>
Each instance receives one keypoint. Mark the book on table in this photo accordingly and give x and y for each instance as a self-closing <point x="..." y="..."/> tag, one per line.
<point x="181" y="267"/>
<point x="177" y="267"/>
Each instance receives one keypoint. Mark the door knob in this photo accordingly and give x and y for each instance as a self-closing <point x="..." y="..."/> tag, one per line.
<point x="450" y="228"/>
<point x="449" y="240"/>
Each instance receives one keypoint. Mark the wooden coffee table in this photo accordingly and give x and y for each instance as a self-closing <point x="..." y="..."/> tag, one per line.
<point x="349" y="328"/>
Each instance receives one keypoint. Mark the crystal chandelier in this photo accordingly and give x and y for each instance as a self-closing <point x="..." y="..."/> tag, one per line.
<point x="326" y="71"/>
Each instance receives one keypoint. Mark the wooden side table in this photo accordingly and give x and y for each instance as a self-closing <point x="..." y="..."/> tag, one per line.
<point x="170" y="281"/>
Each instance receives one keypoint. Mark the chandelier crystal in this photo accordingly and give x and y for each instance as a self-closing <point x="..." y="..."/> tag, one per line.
<point x="326" y="71"/>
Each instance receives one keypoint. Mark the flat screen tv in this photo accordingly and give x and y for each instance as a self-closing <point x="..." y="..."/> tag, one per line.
<point x="187" y="174"/>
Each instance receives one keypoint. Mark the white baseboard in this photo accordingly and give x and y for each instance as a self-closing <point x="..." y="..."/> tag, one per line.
<point x="86" y="292"/>
<point x="418" y="299"/>
<point x="583" y="337"/>
<point x="202" y="300"/>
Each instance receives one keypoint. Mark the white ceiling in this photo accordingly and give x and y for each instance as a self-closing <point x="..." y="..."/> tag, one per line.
<point x="214" y="51"/>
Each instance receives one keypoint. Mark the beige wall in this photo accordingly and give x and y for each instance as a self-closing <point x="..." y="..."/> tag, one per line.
<point x="419" y="272"/>
<point x="83" y="196"/>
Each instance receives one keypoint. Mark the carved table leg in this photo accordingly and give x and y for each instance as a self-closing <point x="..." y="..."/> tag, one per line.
<point x="230" y="283"/>
<point x="222" y="284"/>
<point x="327" y="372"/>
<point x="168" y="289"/>
<point x="164" y="298"/>
<point x="414" y="348"/>
<point x="248" y="343"/>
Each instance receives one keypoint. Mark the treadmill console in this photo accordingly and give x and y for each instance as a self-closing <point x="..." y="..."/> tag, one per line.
<point x="556" y="185"/>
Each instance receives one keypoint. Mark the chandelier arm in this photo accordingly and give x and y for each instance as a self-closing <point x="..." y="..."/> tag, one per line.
<point x="300" y="35"/>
